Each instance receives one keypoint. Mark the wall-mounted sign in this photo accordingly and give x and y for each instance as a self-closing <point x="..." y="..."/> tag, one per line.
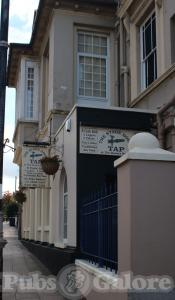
<point x="32" y="175"/>
<point x="104" y="141"/>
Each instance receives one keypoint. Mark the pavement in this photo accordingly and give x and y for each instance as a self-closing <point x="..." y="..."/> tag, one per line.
<point x="19" y="265"/>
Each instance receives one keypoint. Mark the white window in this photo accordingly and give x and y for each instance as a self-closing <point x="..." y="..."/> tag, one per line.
<point x="31" y="90"/>
<point x="148" y="51"/>
<point x="65" y="207"/>
<point x="92" y="65"/>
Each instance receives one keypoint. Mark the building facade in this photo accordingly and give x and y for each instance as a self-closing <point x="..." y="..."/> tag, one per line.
<point x="111" y="61"/>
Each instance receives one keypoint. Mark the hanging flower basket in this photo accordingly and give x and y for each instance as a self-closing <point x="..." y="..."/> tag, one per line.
<point x="20" y="196"/>
<point x="50" y="165"/>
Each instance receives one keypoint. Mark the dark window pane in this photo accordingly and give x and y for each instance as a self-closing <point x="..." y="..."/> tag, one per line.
<point x="65" y="185"/>
<point x="150" y="76"/>
<point x="147" y="23"/>
<point x="148" y="39"/>
<point x="155" y="57"/>
<point x="172" y="24"/>
<point x="154" y="33"/>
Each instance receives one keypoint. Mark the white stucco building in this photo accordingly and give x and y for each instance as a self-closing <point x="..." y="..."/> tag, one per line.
<point x="102" y="65"/>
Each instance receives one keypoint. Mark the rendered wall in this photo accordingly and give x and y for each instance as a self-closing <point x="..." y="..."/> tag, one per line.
<point x="146" y="217"/>
<point x="64" y="60"/>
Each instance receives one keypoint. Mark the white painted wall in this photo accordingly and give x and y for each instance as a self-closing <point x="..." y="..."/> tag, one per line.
<point x="61" y="34"/>
<point x="69" y="166"/>
<point x="66" y="143"/>
<point x="65" y="54"/>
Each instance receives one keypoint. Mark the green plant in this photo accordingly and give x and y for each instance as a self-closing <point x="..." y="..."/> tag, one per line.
<point x="12" y="209"/>
<point x="6" y="200"/>
<point x="19" y="196"/>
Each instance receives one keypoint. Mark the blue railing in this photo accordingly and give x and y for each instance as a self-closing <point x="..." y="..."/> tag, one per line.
<point x="98" y="237"/>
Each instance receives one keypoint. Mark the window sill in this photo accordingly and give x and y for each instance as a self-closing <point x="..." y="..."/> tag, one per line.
<point x="152" y="87"/>
<point x="108" y="276"/>
<point x="93" y="102"/>
<point x="92" y="99"/>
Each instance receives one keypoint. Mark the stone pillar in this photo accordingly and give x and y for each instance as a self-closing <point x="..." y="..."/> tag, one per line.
<point x="51" y="218"/>
<point x="36" y="216"/>
<point x="32" y="214"/>
<point x="42" y="191"/>
<point x="146" y="208"/>
<point x="24" y="220"/>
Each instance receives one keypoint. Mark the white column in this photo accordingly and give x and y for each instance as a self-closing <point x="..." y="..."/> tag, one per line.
<point x="51" y="216"/>
<point x="35" y="215"/>
<point x="24" y="218"/>
<point x="32" y="214"/>
<point x="42" y="192"/>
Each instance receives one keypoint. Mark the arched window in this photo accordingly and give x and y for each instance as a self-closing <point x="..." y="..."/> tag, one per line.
<point x="65" y="207"/>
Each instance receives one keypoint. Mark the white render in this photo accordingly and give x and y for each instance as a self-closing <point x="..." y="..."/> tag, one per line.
<point x="49" y="228"/>
<point x="56" y="95"/>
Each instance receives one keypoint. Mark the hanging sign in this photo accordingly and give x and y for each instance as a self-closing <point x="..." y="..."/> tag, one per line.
<point x="104" y="141"/>
<point x="32" y="175"/>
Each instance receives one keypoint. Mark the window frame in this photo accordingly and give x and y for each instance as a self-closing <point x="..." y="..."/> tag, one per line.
<point x="106" y="57"/>
<point x="35" y="65"/>
<point x="30" y="81"/>
<point x="144" y="84"/>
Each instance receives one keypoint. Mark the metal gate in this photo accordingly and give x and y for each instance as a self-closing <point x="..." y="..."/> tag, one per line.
<point x="98" y="228"/>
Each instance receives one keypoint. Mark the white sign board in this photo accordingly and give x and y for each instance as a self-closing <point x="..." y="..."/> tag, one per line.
<point x="32" y="175"/>
<point x="104" y="141"/>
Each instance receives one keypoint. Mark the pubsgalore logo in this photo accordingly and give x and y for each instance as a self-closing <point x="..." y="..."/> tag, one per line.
<point x="74" y="282"/>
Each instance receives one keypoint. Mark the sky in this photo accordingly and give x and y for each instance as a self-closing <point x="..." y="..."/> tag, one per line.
<point x="20" y="24"/>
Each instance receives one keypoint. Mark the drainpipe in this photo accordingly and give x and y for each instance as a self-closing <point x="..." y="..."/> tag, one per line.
<point x="161" y="130"/>
<point x="121" y="43"/>
<point x="117" y="61"/>
<point x="122" y="63"/>
<point x="124" y="71"/>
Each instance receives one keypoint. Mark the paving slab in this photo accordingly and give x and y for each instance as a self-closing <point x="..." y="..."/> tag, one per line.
<point x="20" y="263"/>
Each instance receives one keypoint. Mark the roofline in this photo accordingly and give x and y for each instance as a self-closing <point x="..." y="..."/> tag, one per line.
<point x="17" y="46"/>
<point x="91" y="2"/>
<point x="36" y="21"/>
